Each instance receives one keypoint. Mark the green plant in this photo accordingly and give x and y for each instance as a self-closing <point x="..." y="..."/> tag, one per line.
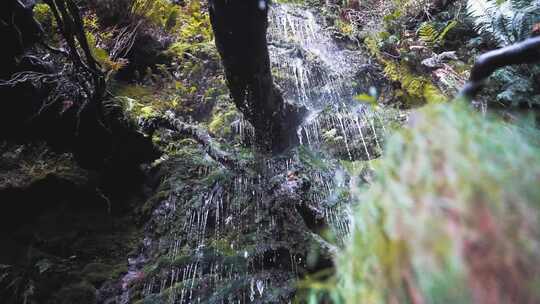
<point x="452" y="212"/>
<point x="193" y="31"/>
<point x="44" y="15"/>
<point x="430" y="35"/>
<point x="33" y="162"/>
<point x="97" y="38"/>
<point x="415" y="88"/>
<point x="346" y="28"/>
<point x="160" y="12"/>
<point x="505" y="21"/>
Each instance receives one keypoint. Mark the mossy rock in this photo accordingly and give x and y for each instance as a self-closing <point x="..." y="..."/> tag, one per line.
<point x="98" y="273"/>
<point x="221" y="121"/>
<point x="81" y="293"/>
<point x="415" y="89"/>
<point x="153" y="201"/>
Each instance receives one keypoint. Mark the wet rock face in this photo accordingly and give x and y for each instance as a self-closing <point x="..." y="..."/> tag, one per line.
<point x="225" y="237"/>
<point x="217" y="234"/>
<point x="240" y="29"/>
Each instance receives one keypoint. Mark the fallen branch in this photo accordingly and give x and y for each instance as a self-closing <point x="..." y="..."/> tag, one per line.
<point x="201" y="136"/>
<point x="527" y="51"/>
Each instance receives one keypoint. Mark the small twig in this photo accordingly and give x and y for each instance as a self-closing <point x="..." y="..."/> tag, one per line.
<point x="53" y="49"/>
<point x="106" y="199"/>
<point x="125" y="41"/>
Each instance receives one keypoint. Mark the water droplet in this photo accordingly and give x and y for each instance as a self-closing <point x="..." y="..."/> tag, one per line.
<point x="260" y="287"/>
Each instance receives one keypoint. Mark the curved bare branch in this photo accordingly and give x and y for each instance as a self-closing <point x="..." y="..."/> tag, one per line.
<point x="527" y="51"/>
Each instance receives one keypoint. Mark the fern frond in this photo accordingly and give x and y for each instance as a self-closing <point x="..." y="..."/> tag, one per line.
<point x="506" y="22"/>
<point x="428" y="33"/>
<point x="445" y="31"/>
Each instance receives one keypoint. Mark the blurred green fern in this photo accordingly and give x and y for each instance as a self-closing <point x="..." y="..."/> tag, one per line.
<point x="430" y="35"/>
<point x="453" y="182"/>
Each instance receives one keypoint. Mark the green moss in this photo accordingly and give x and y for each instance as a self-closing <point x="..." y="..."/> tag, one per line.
<point x="120" y="269"/>
<point x="175" y="289"/>
<point x="415" y="89"/>
<point x="44" y="15"/>
<point x="152" y="202"/>
<point x="134" y="91"/>
<point x="142" y="101"/>
<point x="312" y="159"/>
<point x="223" y="246"/>
<point x="221" y="121"/>
<point x="153" y="299"/>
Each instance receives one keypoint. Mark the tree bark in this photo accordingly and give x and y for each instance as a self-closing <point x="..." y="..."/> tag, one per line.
<point x="240" y="29"/>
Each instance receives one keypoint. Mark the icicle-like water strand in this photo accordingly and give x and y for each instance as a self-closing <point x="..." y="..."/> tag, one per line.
<point x="238" y="237"/>
<point x="351" y="134"/>
<point x="306" y="62"/>
<point x="319" y="75"/>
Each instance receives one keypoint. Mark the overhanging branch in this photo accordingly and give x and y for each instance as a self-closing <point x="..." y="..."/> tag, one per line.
<point x="524" y="52"/>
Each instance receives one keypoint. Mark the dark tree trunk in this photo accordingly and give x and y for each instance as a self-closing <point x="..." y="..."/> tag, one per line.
<point x="240" y="30"/>
<point x="58" y="98"/>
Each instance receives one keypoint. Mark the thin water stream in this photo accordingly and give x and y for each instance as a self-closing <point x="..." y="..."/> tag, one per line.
<point x="240" y="238"/>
